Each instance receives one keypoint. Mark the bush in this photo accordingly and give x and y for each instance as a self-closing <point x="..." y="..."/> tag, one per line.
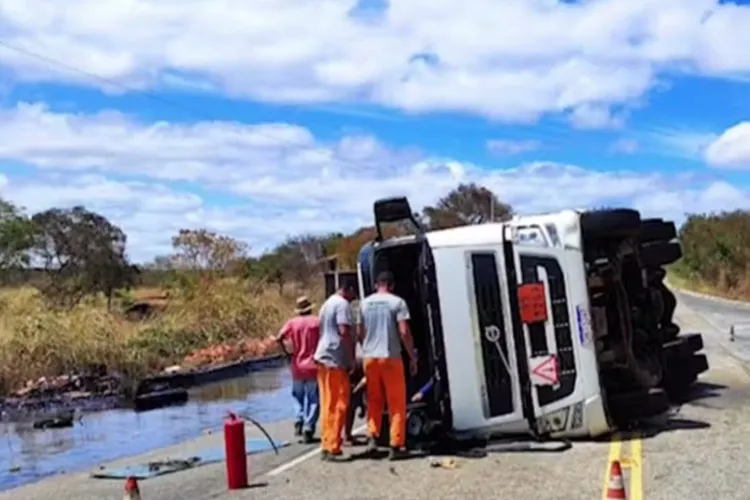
<point x="716" y="252"/>
<point x="37" y="341"/>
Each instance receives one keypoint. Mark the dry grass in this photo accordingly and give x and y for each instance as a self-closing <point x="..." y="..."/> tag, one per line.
<point x="38" y="341"/>
<point x="740" y="291"/>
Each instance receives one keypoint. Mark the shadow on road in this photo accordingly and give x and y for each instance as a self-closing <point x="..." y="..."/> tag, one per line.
<point x="702" y="390"/>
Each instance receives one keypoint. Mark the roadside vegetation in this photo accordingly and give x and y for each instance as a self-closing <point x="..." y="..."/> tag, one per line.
<point x="72" y="302"/>
<point x="716" y="254"/>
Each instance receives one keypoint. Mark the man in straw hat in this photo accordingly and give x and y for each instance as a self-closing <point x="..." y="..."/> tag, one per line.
<point x="303" y="333"/>
<point x="335" y="355"/>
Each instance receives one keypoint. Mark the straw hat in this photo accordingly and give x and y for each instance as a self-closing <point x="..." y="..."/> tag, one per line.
<point x="303" y="305"/>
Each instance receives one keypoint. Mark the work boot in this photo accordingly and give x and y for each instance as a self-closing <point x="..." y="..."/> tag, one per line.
<point x="333" y="456"/>
<point x="307" y="437"/>
<point x="298" y="428"/>
<point x="372" y="445"/>
<point x="397" y="453"/>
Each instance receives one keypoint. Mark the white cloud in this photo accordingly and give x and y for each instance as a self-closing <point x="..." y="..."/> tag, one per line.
<point x="682" y="143"/>
<point x="512" y="147"/>
<point x="261" y="183"/>
<point x="625" y="146"/>
<point x="715" y="197"/>
<point x="509" y="60"/>
<point x="731" y="149"/>
<point x="590" y="116"/>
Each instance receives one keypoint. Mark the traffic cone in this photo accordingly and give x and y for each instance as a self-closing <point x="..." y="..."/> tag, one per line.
<point x="131" y="489"/>
<point x="616" y="488"/>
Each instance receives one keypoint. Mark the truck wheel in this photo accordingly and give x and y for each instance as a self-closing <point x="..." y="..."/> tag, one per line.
<point x="670" y="303"/>
<point x="684" y="346"/>
<point x="681" y="376"/>
<point x="660" y="253"/>
<point x="670" y="332"/>
<point x="612" y="223"/>
<point x="628" y="408"/>
<point x="657" y="230"/>
<point x="648" y="371"/>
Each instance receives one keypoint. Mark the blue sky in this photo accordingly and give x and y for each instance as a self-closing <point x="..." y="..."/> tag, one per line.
<point x="261" y="121"/>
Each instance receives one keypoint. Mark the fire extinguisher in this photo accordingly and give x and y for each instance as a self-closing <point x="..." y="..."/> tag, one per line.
<point x="236" y="456"/>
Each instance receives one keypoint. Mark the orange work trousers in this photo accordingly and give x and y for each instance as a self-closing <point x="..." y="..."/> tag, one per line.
<point x="334" y="388"/>
<point x="386" y="383"/>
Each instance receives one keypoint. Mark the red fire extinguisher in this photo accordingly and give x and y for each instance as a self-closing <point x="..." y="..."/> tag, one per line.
<point x="236" y="455"/>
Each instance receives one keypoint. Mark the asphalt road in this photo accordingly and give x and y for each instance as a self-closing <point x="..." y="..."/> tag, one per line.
<point x="723" y="314"/>
<point x="699" y="453"/>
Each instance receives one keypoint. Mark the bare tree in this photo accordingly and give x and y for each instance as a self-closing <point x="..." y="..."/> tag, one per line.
<point x="203" y="250"/>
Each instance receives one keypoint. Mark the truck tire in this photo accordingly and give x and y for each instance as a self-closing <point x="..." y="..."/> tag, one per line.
<point x="629" y="408"/>
<point x="612" y="223"/>
<point x="669" y="332"/>
<point x="669" y="301"/>
<point x="657" y="230"/>
<point x="682" y="375"/>
<point x="684" y="346"/>
<point x="660" y="253"/>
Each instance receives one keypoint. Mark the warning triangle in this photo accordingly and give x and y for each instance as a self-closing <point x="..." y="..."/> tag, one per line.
<point x="546" y="371"/>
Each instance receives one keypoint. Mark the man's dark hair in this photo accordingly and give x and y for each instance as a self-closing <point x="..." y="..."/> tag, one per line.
<point x="385" y="278"/>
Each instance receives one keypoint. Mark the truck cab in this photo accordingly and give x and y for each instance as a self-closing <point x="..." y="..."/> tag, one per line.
<point x="528" y="326"/>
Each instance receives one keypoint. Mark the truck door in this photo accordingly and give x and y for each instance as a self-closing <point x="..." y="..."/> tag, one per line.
<point x="545" y="319"/>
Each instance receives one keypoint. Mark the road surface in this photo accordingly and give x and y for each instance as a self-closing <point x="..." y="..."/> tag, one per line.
<point x="701" y="453"/>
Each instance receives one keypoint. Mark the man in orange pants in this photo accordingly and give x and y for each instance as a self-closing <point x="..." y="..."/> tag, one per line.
<point x="382" y="328"/>
<point x="334" y="356"/>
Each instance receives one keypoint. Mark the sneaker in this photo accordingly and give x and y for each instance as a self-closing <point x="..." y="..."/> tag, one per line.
<point x="396" y="453"/>
<point x="297" y="428"/>
<point x="307" y="437"/>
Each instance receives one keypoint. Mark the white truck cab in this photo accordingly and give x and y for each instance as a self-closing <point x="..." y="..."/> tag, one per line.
<point x="526" y="326"/>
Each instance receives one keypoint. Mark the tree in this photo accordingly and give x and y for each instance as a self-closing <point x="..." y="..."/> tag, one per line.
<point x="302" y="256"/>
<point x="466" y="204"/>
<point x="269" y="267"/>
<point x="16" y="237"/>
<point x="716" y="248"/>
<point x="82" y="253"/>
<point x="203" y="250"/>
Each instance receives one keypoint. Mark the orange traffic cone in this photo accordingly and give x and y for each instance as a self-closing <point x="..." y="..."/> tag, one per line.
<point x="616" y="488"/>
<point x="131" y="489"/>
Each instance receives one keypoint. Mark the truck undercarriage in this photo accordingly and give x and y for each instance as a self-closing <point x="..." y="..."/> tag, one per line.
<point x="644" y="362"/>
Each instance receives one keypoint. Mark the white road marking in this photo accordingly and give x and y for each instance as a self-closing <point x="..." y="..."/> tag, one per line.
<point x="302" y="458"/>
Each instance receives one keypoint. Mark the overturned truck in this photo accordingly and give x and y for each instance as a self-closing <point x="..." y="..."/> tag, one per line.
<point x="556" y="325"/>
